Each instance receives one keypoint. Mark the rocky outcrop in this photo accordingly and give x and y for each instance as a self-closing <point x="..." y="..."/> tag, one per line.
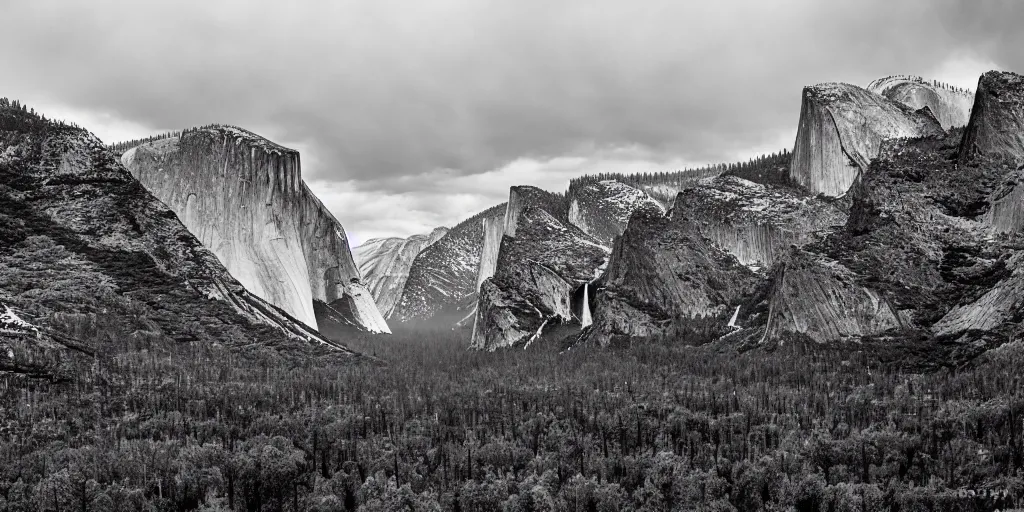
<point x="917" y="259"/>
<point x="665" y="279"/>
<point x="442" y="284"/>
<point x="996" y="129"/>
<point x="384" y="264"/>
<point x="602" y="209"/>
<point x="86" y="250"/>
<point x="1006" y="210"/>
<point x="537" y="274"/>
<point x="244" y="198"/>
<point x="521" y="197"/>
<point x="757" y="223"/>
<point x="1000" y="305"/>
<point x="841" y="129"/>
<point x="950" y="106"/>
<point x="820" y="299"/>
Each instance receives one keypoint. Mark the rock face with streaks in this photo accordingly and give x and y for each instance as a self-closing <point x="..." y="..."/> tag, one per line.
<point x="537" y="274"/>
<point x="841" y="129"/>
<point x="996" y="129"/>
<point x="819" y="298"/>
<point x="757" y="223"/>
<point x="441" y="289"/>
<point x="384" y="264"/>
<point x="84" y="244"/>
<point x="950" y="106"/>
<point x="494" y="229"/>
<point x="1001" y="304"/>
<point x="602" y="209"/>
<point x="1006" y="205"/>
<point x="244" y="198"/>
<point x="664" y="279"/>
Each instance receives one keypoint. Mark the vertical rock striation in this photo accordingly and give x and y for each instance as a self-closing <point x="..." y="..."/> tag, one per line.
<point x="996" y="129"/>
<point x="821" y="299"/>
<point x="244" y="198"/>
<point x="602" y="209"/>
<point x="384" y="264"/>
<point x="1006" y="210"/>
<point x="950" y="106"/>
<point x="757" y="223"/>
<point x="493" y="228"/>
<point x="442" y="284"/>
<point x="841" y="129"/>
<point x="663" y="279"/>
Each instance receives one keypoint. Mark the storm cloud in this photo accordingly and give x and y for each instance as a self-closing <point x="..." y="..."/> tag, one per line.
<point x="416" y="113"/>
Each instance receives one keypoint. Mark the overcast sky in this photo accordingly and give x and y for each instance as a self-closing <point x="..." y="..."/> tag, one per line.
<point x="417" y="113"/>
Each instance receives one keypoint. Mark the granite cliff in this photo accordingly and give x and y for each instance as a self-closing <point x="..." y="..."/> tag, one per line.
<point x="757" y="223"/>
<point x="996" y="129"/>
<point x="950" y="106"/>
<point x="86" y="249"/>
<point x="930" y="250"/>
<point x="841" y="129"/>
<point x="539" y="269"/>
<point x="244" y="199"/>
<point x="442" y="284"/>
<point x="664" y="279"/>
<point x="384" y="264"/>
<point x="542" y="262"/>
<point x="922" y="247"/>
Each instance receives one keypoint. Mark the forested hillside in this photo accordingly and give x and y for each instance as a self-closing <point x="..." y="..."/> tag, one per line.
<point x="766" y="169"/>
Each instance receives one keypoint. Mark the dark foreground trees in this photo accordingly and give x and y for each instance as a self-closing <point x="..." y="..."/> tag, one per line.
<point x="161" y="426"/>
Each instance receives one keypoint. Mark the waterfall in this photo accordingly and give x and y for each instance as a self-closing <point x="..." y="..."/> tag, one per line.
<point x="585" y="318"/>
<point x="732" y="321"/>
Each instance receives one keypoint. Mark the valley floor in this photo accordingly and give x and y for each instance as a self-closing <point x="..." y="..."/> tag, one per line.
<point x="439" y="427"/>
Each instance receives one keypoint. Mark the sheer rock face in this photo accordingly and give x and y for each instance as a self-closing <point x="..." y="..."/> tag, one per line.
<point x="1006" y="213"/>
<point x="819" y="298"/>
<point x="841" y="129"/>
<point x="384" y="264"/>
<point x="82" y="239"/>
<point x="602" y="209"/>
<point x="757" y="223"/>
<point x="950" y="107"/>
<point x="537" y="273"/>
<point x="442" y="283"/>
<point x="665" y="278"/>
<point x="996" y="129"/>
<point x="494" y="229"/>
<point x="244" y="198"/>
<point x="1003" y="303"/>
